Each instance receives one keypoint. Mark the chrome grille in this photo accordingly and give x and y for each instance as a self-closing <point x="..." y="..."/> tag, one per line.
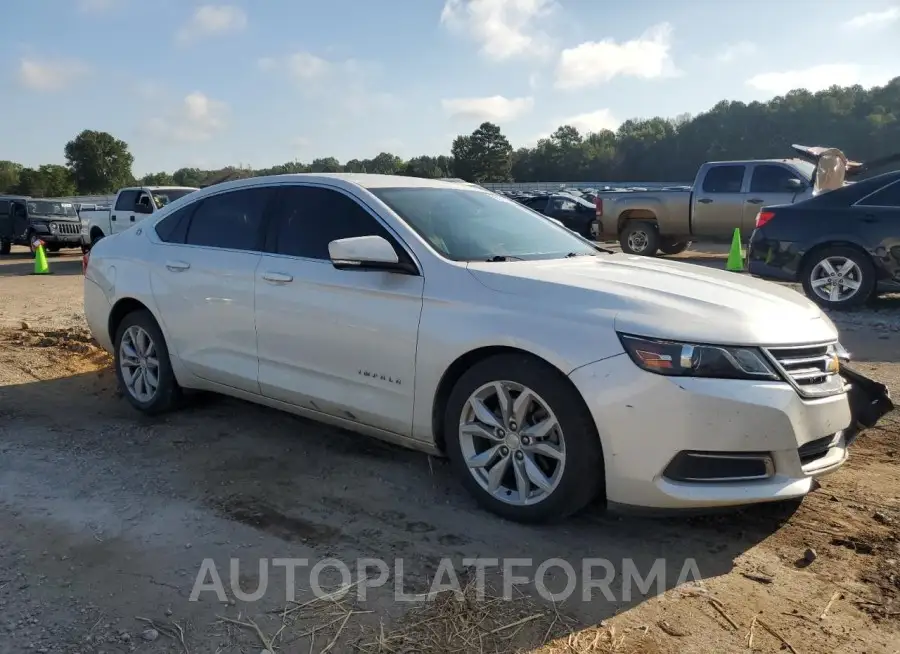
<point x="808" y="368"/>
<point x="68" y="228"/>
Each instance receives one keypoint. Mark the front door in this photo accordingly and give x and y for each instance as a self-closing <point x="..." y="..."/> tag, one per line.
<point x="204" y="280"/>
<point x="122" y="216"/>
<point x="341" y="342"/>
<point x="718" y="205"/>
<point x="769" y="185"/>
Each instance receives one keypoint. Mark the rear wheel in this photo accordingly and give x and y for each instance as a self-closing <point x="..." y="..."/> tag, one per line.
<point x="668" y="245"/>
<point x="143" y="367"/>
<point x="639" y="237"/>
<point x="839" y="277"/>
<point x="522" y="440"/>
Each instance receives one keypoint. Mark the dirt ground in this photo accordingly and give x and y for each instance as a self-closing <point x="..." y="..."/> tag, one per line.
<point x="106" y="518"/>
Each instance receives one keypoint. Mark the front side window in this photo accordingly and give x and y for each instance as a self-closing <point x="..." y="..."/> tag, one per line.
<point x="230" y="220"/>
<point x="771" y="179"/>
<point x="471" y="225"/>
<point x="307" y="218"/>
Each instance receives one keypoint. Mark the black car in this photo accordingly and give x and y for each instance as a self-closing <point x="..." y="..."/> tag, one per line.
<point x="575" y="213"/>
<point x="842" y="245"/>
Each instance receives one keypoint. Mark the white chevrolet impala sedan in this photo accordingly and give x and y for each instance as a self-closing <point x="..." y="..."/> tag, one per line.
<point x="452" y="320"/>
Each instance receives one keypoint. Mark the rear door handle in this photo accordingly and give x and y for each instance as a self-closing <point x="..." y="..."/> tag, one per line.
<point x="177" y="266"/>
<point x="704" y="200"/>
<point x="754" y="201"/>
<point x="113" y="218"/>
<point x="278" y="278"/>
<point x="869" y="218"/>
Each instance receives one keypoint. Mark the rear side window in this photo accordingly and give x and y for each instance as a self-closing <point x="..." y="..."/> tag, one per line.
<point x="4" y="207"/>
<point x="126" y="200"/>
<point x="230" y="220"/>
<point x="308" y="218"/>
<point x="538" y="204"/>
<point x="724" y="179"/>
<point x="889" y="196"/>
<point x="771" y="179"/>
<point x="173" y="228"/>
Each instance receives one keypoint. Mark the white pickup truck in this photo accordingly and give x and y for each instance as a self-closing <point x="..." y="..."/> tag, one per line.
<point x="131" y="205"/>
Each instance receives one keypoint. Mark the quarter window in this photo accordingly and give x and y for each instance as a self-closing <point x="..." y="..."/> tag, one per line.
<point x="230" y="220"/>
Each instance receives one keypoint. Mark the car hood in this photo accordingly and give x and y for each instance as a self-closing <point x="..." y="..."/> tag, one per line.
<point x="664" y="299"/>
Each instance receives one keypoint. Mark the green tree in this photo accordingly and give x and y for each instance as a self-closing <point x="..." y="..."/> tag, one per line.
<point x="326" y="165"/>
<point x="158" y="179"/>
<point x="100" y="162"/>
<point x="50" y="180"/>
<point x="490" y="154"/>
<point x="9" y="176"/>
<point x="193" y="177"/>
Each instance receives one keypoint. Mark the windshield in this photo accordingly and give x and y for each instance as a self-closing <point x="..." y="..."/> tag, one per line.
<point x="473" y="225"/>
<point x="164" y="196"/>
<point x="806" y="168"/>
<point x="45" y="208"/>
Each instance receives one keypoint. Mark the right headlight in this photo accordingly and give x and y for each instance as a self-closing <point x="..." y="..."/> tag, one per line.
<point x="678" y="359"/>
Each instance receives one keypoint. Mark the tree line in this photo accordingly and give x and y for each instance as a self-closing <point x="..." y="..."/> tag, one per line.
<point x="864" y="123"/>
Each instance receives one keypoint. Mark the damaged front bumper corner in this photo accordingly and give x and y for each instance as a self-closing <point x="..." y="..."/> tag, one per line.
<point x="869" y="402"/>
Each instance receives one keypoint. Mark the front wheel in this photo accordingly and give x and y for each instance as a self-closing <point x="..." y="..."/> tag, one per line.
<point x="5" y="246"/>
<point x="668" y="245"/>
<point x="522" y="440"/>
<point x="142" y="362"/>
<point x="839" y="278"/>
<point x="53" y="248"/>
<point x="639" y="237"/>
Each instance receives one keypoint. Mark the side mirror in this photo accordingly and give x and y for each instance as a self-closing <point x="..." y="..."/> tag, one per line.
<point x="795" y="184"/>
<point x="366" y="253"/>
<point x="142" y="208"/>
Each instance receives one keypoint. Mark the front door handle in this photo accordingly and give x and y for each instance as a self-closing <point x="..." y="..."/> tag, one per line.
<point x="754" y="201"/>
<point x="704" y="200"/>
<point x="278" y="278"/>
<point x="177" y="266"/>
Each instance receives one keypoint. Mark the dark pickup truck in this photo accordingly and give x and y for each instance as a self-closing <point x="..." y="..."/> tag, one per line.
<point x="23" y="220"/>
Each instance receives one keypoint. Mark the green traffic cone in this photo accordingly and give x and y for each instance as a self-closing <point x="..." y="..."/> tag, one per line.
<point x="41" y="267"/>
<point x="735" y="261"/>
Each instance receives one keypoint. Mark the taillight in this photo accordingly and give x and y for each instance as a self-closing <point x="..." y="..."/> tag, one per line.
<point x="763" y="217"/>
<point x="598" y="204"/>
<point x="84" y="262"/>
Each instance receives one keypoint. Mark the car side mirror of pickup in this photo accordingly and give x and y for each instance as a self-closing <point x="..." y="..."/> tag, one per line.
<point x="367" y="253"/>
<point x="795" y="184"/>
<point x="142" y="208"/>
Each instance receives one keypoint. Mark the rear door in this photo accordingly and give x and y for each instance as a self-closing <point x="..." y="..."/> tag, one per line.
<point x="122" y="215"/>
<point x="718" y="206"/>
<point x="203" y="282"/>
<point x="879" y="226"/>
<point x="768" y="187"/>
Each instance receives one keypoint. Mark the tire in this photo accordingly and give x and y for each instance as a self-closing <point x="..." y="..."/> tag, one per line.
<point x="167" y="395"/>
<point x="5" y="246"/>
<point x="639" y="237"/>
<point x="577" y="483"/>
<point x="838" y="257"/>
<point x="668" y="245"/>
<point x="53" y="248"/>
<point x="96" y="235"/>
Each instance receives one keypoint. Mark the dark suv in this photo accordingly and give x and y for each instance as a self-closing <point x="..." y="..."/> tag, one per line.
<point x="24" y="219"/>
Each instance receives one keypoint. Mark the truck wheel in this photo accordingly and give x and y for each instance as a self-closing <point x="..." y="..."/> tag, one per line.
<point x="96" y="235"/>
<point x="639" y="237"/>
<point x="668" y="245"/>
<point x="838" y="277"/>
<point x="5" y="246"/>
<point x="522" y="440"/>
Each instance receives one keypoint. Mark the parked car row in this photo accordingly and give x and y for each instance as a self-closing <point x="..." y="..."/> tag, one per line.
<point x="452" y="320"/>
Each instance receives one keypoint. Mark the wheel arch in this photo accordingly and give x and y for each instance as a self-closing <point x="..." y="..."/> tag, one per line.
<point x="122" y="308"/>
<point x="463" y="363"/>
<point x="629" y="215"/>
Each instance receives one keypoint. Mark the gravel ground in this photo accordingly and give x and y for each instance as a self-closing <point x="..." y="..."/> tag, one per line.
<point x="107" y="516"/>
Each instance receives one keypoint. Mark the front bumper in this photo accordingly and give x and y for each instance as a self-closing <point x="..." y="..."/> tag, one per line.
<point x="645" y="420"/>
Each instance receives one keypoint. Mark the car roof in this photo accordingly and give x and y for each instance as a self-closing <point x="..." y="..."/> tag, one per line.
<point x="346" y="181"/>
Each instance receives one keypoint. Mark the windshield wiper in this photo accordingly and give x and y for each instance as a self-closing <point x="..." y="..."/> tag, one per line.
<point x="503" y="257"/>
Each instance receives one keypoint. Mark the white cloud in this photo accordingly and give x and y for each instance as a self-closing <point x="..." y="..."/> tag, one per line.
<point x="195" y="119"/>
<point x="50" y="75"/>
<point x="736" y="52"/>
<point x="592" y="121"/>
<point x="212" y="20"/>
<point x="504" y="28"/>
<point x="817" y="78"/>
<point x="595" y="62"/>
<point x="495" y="108"/>
<point x="874" y="19"/>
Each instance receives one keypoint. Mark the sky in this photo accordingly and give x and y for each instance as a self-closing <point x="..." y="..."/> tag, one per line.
<point x="261" y="82"/>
